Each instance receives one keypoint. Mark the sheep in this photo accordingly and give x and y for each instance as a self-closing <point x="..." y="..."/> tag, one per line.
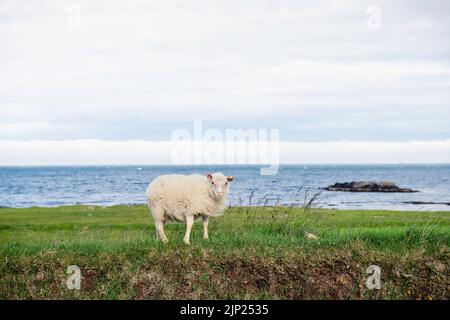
<point x="182" y="198"/>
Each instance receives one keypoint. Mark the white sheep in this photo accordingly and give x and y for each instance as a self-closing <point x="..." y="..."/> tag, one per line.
<point x="182" y="198"/>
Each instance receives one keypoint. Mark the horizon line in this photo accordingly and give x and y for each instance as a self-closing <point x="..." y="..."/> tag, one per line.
<point x="227" y="165"/>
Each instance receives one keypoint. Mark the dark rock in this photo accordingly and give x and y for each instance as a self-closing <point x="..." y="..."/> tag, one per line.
<point x="367" y="186"/>
<point x="426" y="202"/>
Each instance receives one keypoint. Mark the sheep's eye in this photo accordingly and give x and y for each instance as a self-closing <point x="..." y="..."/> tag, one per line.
<point x="212" y="183"/>
<point x="226" y="183"/>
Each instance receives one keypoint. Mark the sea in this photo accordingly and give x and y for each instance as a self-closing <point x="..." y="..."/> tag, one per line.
<point x="293" y="185"/>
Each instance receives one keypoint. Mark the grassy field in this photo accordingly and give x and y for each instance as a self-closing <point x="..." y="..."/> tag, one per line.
<point x="252" y="253"/>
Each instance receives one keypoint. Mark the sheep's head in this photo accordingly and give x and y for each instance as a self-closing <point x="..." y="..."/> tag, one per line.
<point x="218" y="184"/>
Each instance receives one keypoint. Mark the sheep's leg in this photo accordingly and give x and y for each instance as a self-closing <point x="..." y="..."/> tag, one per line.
<point x="205" y="228"/>
<point x="160" y="231"/>
<point x="158" y="216"/>
<point x="189" y="224"/>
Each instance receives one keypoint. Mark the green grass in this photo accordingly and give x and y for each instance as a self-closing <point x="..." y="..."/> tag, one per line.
<point x="252" y="253"/>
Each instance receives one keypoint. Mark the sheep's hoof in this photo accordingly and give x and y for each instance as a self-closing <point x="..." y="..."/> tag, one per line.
<point x="187" y="242"/>
<point x="205" y="238"/>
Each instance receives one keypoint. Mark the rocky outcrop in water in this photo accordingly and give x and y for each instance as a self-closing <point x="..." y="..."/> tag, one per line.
<point x="367" y="186"/>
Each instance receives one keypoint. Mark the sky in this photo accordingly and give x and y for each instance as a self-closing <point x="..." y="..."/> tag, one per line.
<point x="338" y="79"/>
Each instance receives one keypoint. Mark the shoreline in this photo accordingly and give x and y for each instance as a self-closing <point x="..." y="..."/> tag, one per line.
<point x="420" y="206"/>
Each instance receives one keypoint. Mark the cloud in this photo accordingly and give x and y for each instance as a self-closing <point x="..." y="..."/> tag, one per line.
<point x="22" y="130"/>
<point x="139" y="70"/>
<point x="100" y="152"/>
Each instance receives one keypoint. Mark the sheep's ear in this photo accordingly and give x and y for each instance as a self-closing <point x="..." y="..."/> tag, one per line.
<point x="209" y="176"/>
<point x="230" y="178"/>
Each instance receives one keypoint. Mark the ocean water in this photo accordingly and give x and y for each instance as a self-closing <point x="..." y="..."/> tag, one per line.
<point x="293" y="185"/>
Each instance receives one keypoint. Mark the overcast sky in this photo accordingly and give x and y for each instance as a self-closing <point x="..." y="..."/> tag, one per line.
<point x="320" y="71"/>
